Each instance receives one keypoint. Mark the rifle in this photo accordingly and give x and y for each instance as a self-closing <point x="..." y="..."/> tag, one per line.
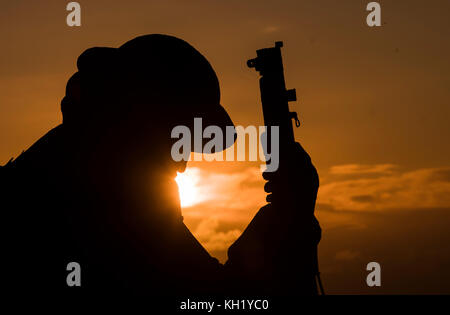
<point x="275" y="97"/>
<point x="275" y="100"/>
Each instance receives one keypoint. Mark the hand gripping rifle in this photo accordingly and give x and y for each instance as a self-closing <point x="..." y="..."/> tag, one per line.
<point x="275" y="100"/>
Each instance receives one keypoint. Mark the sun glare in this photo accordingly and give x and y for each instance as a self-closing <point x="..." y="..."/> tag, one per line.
<point x="187" y="188"/>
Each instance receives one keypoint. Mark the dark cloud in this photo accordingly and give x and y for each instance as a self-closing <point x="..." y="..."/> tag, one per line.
<point x="426" y="188"/>
<point x="363" y="198"/>
<point x="412" y="246"/>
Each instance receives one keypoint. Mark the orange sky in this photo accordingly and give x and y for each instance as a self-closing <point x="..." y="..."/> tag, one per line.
<point x="374" y="105"/>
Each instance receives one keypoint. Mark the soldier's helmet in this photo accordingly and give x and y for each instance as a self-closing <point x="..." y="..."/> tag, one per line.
<point x="156" y="77"/>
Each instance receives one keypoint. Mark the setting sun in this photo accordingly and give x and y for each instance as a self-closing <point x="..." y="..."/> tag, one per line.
<point x="187" y="188"/>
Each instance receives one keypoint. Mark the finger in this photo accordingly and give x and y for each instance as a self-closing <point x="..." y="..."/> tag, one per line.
<point x="268" y="187"/>
<point x="269" y="175"/>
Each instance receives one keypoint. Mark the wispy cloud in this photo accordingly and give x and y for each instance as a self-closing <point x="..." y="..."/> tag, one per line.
<point x="233" y="190"/>
<point x="351" y="169"/>
<point x="212" y="239"/>
<point x="422" y="188"/>
<point x="228" y="201"/>
<point x="271" y="29"/>
<point x="346" y="255"/>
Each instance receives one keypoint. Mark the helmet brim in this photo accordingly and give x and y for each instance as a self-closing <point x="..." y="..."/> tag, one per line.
<point x="215" y="115"/>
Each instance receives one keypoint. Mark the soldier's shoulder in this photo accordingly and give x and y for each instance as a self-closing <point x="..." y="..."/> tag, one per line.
<point x="6" y="170"/>
<point x="39" y="152"/>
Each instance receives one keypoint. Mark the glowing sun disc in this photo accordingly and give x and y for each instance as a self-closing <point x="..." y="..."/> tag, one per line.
<point x="187" y="189"/>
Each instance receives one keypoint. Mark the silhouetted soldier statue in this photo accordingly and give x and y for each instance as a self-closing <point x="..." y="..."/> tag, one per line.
<point x="99" y="189"/>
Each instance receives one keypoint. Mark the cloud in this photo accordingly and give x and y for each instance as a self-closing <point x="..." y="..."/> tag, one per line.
<point x="351" y="199"/>
<point x="239" y="190"/>
<point x="351" y="169"/>
<point x="346" y="255"/>
<point x="235" y="196"/>
<point x="411" y="246"/>
<point x="388" y="189"/>
<point x="226" y="203"/>
<point x="212" y="239"/>
<point x="271" y="29"/>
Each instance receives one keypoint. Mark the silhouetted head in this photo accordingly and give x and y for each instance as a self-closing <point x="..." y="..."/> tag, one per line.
<point x="120" y="108"/>
<point x="132" y="96"/>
